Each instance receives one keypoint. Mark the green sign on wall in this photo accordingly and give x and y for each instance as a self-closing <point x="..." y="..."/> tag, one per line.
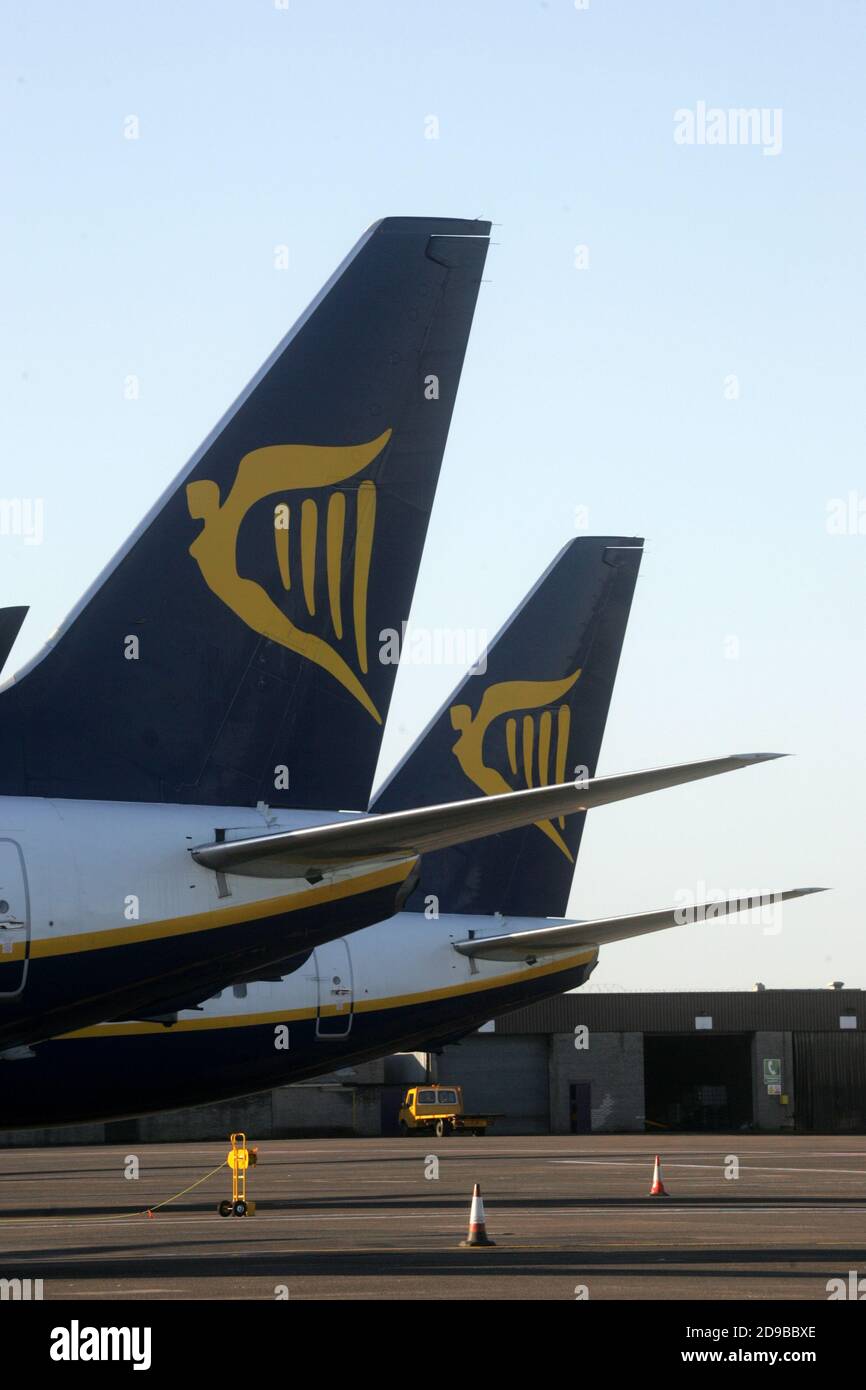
<point x="773" y="1071"/>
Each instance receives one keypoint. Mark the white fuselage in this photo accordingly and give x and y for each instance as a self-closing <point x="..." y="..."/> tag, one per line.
<point x="106" y="911"/>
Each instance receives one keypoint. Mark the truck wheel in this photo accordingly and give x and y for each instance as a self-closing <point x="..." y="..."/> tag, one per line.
<point x="440" y="1129"/>
<point x="404" y="1128"/>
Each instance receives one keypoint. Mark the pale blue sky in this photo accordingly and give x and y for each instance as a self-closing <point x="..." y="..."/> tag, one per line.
<point x="601" y="388"/>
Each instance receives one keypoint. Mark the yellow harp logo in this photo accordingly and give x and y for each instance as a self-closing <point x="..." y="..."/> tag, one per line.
<point x="538" y="743"/>
<point x="293" y="468"/>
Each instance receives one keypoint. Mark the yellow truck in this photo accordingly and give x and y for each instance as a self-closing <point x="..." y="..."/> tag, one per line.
<point x="438" y="1109"/>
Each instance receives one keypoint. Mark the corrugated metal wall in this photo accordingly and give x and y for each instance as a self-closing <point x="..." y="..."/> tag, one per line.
<point x="771" y="1010"/>
<point x="830" y="1082"/>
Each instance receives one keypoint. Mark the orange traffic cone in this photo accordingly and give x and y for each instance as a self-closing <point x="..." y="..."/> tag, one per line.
<point x="658" y="1187"/>
<point x="477" y="1233"/>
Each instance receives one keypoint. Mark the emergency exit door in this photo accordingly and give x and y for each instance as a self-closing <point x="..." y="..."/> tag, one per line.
<point x="14" y="921"/>
<point x="336" y="1000"/>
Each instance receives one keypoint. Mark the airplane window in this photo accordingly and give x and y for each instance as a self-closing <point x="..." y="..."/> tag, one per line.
<point x="4" y="906"/>
<point x="239" y="991"/>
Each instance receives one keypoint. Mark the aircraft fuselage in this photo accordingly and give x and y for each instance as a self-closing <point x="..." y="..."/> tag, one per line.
<point x="104" y="913"/>
<point x="394" y="986"/>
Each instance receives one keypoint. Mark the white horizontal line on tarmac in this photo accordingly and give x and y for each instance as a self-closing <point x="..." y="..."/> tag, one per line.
<point x="507" y="1213"/>
<point x="675" y="1163"/>
<point x="260" y="1218"/>
<point x="495" y="1149"/>
<point x="124" y="1293"/>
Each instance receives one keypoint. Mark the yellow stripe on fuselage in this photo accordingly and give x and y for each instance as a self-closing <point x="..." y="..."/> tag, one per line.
<point x="218" y="917"/>
<point x="397" y="1001"/>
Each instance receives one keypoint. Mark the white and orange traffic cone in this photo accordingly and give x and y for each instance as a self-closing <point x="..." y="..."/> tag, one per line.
<point x="477" y="1233"/>
<point x="658" y="1187"/>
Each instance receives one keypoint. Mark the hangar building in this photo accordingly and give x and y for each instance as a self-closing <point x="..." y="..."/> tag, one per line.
<point x="766" y="1060"/>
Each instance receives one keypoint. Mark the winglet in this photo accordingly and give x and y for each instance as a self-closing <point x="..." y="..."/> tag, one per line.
<point x="747" y="758"/>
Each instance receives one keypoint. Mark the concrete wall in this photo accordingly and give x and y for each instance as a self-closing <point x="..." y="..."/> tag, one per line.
<point x="345" y="1103"/>
<point x="613" y="1065"/>
<point x="410" y="1068"/>
<point x="44" y="1138"/>
<point x="252" y="1115"/>
<point x="503" y="1075"/>
<point x="314" y="1110"/>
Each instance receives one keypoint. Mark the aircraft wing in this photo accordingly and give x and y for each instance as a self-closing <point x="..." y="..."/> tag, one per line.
<point x="571" y="936"/>
<point x="310" y="851"/>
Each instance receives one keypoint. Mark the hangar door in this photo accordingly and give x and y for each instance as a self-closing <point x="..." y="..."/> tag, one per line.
<point x="506" y="1076"/>
<point x="698" y="1081"/>
<point x="830" y="1082"/>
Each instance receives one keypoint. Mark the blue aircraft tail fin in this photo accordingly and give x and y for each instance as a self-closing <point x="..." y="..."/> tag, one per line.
<point x="534" y="716"/>
<point x="229" y="653"/>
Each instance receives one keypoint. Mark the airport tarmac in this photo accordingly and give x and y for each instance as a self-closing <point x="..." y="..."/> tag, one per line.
<point x="361" y="1219"/>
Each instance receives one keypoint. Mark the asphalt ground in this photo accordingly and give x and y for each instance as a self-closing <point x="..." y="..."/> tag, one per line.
<point x="369" y="1219"/>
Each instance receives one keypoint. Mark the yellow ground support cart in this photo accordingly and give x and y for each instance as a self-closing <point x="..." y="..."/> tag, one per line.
<point x="239" y="1159"/>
